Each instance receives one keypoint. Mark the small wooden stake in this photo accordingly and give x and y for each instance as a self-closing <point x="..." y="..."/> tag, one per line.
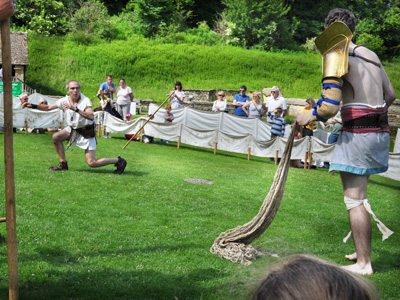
<point x="179" y="141"/>
<point x="276" y="157"/>
<point x="248" y="154"/>
<point x="26" y="127"/>
<point x="309" y="164"/>
<point x="215" y="148"/>
<point x="141" y="135"/>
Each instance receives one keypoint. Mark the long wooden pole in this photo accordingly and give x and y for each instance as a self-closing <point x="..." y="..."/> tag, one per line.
<point x="12" y="252"/>
<point x="151" y="117"/>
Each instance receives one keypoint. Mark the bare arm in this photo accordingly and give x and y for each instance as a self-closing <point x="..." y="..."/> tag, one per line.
<point x="42" y="107"/>
<point x="244" y="107"/>
<point x="131" y="96"/>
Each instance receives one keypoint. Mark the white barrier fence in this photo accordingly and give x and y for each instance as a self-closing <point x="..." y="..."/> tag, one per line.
<point x="219" y="131"/>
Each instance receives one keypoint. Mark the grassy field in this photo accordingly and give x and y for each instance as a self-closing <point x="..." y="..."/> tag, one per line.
<point x="151" y="68"/>
<point x="146" y="234"/>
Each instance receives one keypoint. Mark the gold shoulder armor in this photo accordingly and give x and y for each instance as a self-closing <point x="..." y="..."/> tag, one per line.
<point x="333" y="44"/>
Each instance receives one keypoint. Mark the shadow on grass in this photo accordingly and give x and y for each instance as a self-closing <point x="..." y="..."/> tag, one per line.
<point x="106" y="171"/>
<point x="113" y="284"/>
<point x="385" y="184"/>
<point x="72" y="277"/>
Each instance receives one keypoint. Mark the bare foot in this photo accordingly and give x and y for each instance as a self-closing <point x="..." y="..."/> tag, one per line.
<point x="362" y="270"/>
<point x="351" y="256"/>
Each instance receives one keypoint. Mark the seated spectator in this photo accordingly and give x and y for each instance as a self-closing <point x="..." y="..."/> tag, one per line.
<point x="308" y="130"/>
<point x="256" y="109"/>
<point x="276" y="101"/>
<point x="220" y="103"/>
<point x="305" y="277"/>
<point x="239" y="100"/>
<point x="168" y="118"/>
<point x="145" y="138"/>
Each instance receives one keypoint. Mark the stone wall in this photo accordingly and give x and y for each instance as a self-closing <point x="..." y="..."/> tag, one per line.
<point x="204" y="99"/>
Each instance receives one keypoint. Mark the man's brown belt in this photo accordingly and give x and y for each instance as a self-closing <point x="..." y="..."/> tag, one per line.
<point x="368" y="121"/>
<point x="87" y="132"/>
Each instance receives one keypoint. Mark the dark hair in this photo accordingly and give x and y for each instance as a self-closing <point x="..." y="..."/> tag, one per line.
<point x="243" y="87"/>
<point x="122" y="79"/>
<point x="178" y="83"/>
<point x="279" y="109"/>
<point x="106" y="92"/>
<point x="343" y="15"/>
<point x="307" y="277"/>
<point x="108" y="75"/>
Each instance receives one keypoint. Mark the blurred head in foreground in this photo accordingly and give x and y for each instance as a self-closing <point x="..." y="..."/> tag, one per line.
<point x="308" y="278"/>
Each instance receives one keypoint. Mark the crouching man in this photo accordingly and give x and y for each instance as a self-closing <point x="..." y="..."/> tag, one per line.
<point x="78" y="115"/>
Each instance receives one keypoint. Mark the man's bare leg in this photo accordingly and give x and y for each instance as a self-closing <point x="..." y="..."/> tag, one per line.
<point x="95" y="163"/>
<point x="355" y="187"/>
<point x="58" y="139"/>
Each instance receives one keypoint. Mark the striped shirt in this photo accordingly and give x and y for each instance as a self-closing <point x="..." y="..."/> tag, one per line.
<point x="278" y="124"/>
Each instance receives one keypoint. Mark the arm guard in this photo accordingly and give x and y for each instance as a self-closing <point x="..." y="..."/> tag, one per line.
<point x="333" y="44"/>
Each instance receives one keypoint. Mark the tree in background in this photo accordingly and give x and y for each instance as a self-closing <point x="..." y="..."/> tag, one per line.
<point x="44" y="16"/>
<point x="258" y="22"/>
<point x="90" y="21"/>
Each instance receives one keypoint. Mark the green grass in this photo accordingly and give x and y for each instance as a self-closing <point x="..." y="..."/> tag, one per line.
<point x="151" y="68"/>
<point x="146" y="234"/>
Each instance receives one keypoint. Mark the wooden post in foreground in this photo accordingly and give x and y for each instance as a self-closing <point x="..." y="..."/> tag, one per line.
<point x="276" y="157"/>
<point x="248" y="153"/>
<point x="309" y="164"/>
<point x="11" y="223"/>
<point x="305" y="160"/>
<point x="26" y="127"/>
<point x="98" y="129"/>
<point x="141" y="135"/>
<point x="179" y="141"/>
<point x="215" y="148"/>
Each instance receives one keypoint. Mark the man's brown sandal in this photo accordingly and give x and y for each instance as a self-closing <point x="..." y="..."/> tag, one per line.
<point x="121" y="165"/>
<point x="62" y="166"/>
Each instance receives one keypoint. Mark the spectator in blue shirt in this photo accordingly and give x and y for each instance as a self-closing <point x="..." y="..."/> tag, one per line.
<point x="108" y="85"/>
<point x="239" y="100"/>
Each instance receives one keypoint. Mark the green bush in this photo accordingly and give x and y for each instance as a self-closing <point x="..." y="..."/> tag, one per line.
<point x="376" y="44"/>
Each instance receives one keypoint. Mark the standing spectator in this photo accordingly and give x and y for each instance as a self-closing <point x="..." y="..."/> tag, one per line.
<point x="168" y="118"/>
<point x="124" y="98"/>
<point x="178" y="96"/>
<point x="107" y="106"/>
<point x="275" y="101"/>
<point x="278" y="123"/>
<point x="257" y="109"/>
<point x="308" y="130"/>
<point x="78" y="114"/>
<point x="220" y="103"/>
<point x="107" y="85"/>
<point x="239" y="100"/>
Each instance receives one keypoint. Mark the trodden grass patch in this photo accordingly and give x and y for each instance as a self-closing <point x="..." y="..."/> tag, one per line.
<point x="90" y="234"/>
